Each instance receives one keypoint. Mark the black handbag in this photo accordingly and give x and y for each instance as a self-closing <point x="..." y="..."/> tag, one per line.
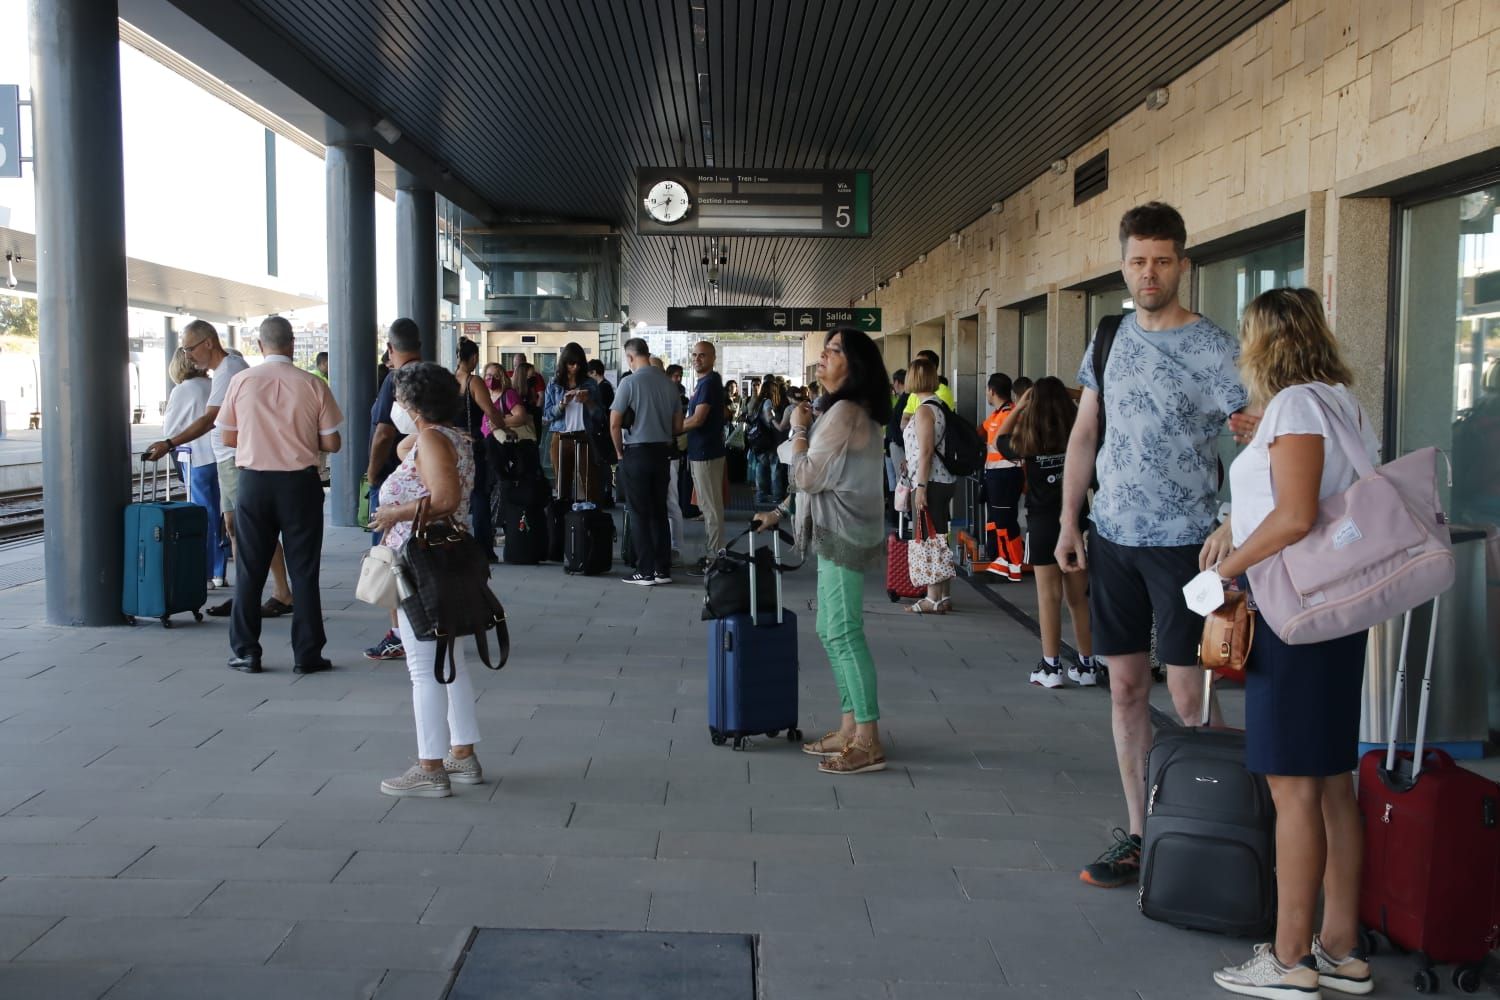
<point x="726" y="580"/>
<point x="443" y="583"/>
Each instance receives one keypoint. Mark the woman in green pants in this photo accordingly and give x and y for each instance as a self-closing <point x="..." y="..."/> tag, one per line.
<point x="837" y="468"/>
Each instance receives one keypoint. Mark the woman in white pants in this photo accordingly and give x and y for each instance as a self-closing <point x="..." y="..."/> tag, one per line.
<point x="438" y="464"/>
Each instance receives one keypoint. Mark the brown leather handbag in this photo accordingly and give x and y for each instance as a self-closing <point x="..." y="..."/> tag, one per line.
<point x="1227" y="634"/>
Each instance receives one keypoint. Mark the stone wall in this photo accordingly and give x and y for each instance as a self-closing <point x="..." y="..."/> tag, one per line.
<point x="1316" y="105"/>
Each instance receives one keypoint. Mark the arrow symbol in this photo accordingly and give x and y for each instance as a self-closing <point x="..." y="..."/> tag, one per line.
<point x="869" y="320"/>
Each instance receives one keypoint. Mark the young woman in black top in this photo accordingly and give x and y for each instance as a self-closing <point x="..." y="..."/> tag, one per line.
<point x="1037" y="432"/>
<point x="474" y="395"/>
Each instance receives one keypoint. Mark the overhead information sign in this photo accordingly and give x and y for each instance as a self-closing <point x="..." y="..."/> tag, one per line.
<point x="767" y="319"/>
<point x="10" y="130"/>
<point x="714" y="202"/>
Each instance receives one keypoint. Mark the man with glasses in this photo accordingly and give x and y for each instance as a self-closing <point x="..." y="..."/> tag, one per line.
<point x="200" y="341"/>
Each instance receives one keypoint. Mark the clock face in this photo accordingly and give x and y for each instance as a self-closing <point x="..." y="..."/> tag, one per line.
<point x="667" y="202"/>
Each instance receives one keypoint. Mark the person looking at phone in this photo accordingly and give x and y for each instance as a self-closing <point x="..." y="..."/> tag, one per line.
<point x="569" y="404"/>
<point x="1170" y="382"/>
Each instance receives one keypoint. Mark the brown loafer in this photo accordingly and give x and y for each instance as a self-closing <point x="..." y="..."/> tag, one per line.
<point x="828" y="745"/>
<point x="856" y="758"/>
<point x="274" y="609"/>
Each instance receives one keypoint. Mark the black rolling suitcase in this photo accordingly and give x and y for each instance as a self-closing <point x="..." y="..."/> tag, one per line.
<point x="1208" y="852"/>
<point x="525" y="535"/>
<point x="588" y="533"/>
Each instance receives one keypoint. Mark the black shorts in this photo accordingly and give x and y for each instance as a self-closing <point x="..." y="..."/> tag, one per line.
<point x="1128" y="585"/>
<point x="1041" y="537"/>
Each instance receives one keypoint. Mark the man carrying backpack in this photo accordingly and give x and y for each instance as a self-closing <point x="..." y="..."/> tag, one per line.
<point x="1169" y="382"/>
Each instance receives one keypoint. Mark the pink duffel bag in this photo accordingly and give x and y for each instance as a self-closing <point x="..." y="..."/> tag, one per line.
<point x="1377" y="550"/>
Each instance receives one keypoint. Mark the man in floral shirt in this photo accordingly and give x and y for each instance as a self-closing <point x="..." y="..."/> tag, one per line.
<point x="1170" y="383"/>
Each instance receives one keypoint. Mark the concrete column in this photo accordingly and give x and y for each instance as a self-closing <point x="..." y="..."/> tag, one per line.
<point x="1360" y="297"/>
<point x="169" y="348"/>
<point x="1067" y="331"/>
<point x="352" y="340"/>
<point x="416" y="259"/>
<point x="1007" y="340"/>
<point x="85" y="352"/>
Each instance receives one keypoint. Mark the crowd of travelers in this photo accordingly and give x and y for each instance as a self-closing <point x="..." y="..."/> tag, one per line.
<point x="1107" y="495"/>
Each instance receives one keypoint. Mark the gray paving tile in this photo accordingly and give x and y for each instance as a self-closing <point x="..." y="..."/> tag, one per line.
<point x="70" y="981"/>
<point x="17" y="933"/>
<point x="711" y="877"/>
<point x="820" y="986"/>
<point x="835" y="917"/>
<point x="38" y="829"/>
<point x="403" y="984"/>
<point x="518" y="789"/>
<point x="66" y="859"/>
<point x="160" y="939"/>
<point x="568" y="842"/>
<point x="909" y="880"/>
<point x="889" y="820"/>
<point x="234" y="805"/>
<point x="791" y="955"/>
<point x="245" y="863"/>
<point x="161" y="803"/>
<point x="517" y="873"/>
<point x="146" y="832"/>
<point x="323" y="944"/>
<point x="693" y="818"/>
<point x="331" y="834"/>
<point x="102" y="897"/>
<point x="350" y="902"/>
<point x="689" y="791"/>
<point x="874" y="849"/>
<point x="484" y="907"/>
<point x="178" y="982"/>
<point x="811" y="847"/>
<point x="477" y="810"/>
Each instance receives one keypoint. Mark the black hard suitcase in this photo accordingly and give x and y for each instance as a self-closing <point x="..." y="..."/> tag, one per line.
<point x="1208" y="852"/>
<point x="588" y="532"/>
<point x="556" y="512"/>
<point x="525" y="535"/>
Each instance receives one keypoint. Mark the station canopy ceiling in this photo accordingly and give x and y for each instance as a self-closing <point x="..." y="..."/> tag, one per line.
<point x="545" y="109"/>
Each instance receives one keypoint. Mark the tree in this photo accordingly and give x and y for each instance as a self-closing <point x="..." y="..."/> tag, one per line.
<point x="18" y="316"/>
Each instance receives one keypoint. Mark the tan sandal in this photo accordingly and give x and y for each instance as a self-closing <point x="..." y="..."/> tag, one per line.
<point x="828" y="745"/>
<point x="933" y="607"/>
<point x="856" y="758"/>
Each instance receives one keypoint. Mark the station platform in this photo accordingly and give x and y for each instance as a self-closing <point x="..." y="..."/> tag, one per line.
<point x="170" y="828"/>
<point x="21" y="454"/>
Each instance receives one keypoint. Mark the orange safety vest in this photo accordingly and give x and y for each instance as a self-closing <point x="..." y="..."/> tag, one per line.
<point x="993" y="425"/>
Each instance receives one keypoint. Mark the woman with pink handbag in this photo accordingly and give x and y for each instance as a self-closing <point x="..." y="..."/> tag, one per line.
<point x="1302" y="701"/>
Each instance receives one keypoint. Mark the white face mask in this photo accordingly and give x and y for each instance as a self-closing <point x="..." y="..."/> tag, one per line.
<point x="402" y="418"/>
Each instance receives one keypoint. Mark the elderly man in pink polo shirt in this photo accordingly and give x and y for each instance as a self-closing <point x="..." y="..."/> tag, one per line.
<point x="278" y="418"/>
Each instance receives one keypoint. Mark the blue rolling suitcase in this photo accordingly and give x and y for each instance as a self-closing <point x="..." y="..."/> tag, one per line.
<point x="752" y="670"/>
<point x="166" y="554"/>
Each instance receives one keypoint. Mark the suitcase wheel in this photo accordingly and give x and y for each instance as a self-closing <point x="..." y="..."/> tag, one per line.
<point x="1425" y="981"/>
<point x="717" y="737"/>
<point x="197" y="616"/>
<point x="895" y="597"/>
<point x="1369" y="943"/>
<point x="740" y="743"/>
<point x="166" y="622"/>
<point x="774" y="733"/>
<point x="794" y="735"/>
<point x="1466" y="978"/>
<point x="130" y="619"/>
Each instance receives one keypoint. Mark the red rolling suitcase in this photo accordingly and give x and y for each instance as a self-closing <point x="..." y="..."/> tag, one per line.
<point x="1431" y="878"/>
<point x="897" y="572"/>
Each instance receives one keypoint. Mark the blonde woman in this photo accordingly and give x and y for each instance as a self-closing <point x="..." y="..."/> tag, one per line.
<point x="195" y="459"/>
<point x="1302" y="703"/>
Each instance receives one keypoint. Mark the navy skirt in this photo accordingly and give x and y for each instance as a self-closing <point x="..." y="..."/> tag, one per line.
<point x="1302" y="705"/>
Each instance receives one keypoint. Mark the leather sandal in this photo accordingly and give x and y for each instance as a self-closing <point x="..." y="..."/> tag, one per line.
<point x="856" y="758"/>
<point x="931" y="607"/>
<point x="274" y="609"/>
<point x="830" y="744"/>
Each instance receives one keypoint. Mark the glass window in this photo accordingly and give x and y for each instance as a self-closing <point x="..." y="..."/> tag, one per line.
<point x="1111" y="301"/>
<point x="1033" y="361"/>
<point x="1225" y="287"/>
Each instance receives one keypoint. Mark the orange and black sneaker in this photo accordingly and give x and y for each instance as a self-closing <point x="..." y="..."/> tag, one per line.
<point x="1117" y="866"/>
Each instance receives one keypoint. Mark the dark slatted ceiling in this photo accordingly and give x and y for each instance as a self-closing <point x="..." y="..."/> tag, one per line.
<point x="546" y="107"/>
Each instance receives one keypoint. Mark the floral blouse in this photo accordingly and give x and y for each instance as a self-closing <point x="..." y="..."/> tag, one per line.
<point x="405" y="485"/>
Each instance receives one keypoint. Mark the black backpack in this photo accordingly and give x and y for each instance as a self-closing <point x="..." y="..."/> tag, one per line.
<point x="1104" y="342"/>
<point x="962" y="449"/>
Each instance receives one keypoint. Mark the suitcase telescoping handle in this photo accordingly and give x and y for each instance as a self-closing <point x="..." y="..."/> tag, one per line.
<point x="1400" y="693"/>
<point x="755" y="587"/>
<point x="150" y="490"/>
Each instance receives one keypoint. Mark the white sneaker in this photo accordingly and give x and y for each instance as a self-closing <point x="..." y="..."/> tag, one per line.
<point x="1047" y="676"/>
<point x="1350" y="974"/>
<point x="418" y="783"/>
<point x="1264" y="976"/>
<point x="463" y="772"/>
<point x="1083" y="676"/>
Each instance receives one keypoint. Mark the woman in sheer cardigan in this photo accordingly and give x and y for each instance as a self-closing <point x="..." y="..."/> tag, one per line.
<point x="837" y="474"/>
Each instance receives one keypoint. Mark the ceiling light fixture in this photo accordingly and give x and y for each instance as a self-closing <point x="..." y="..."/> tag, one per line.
<point x="1157" y="99"/>
<point x="10" y="270"/>
<point x="388" y="130"/>
<point x="921" y="258"/>
<point x="997" y="206"/>
<point x="1058" y="167"/>
<point x="898" y="272"/>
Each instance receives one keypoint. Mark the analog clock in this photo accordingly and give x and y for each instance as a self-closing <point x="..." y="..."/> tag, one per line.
<point x="667" y="202"/>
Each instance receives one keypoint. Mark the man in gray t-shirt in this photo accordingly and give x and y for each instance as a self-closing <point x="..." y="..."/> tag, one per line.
<point x="1170" y="383"/>
<point x="644" y="420"/>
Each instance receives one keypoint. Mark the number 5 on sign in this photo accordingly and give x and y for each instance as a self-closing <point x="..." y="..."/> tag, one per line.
<point x="841" y="216"/>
